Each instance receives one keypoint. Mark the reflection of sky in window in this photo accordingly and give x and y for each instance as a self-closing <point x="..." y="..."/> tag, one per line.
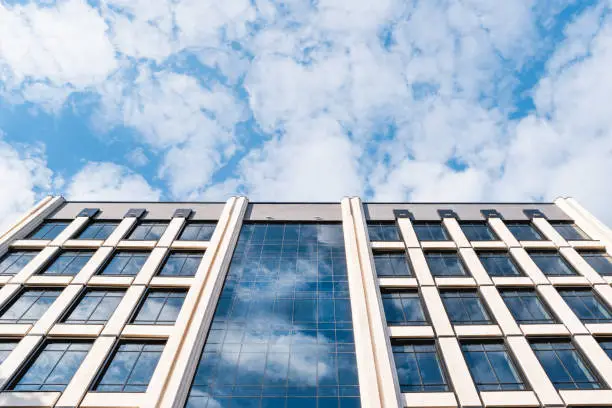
<point x="282" y="333"/>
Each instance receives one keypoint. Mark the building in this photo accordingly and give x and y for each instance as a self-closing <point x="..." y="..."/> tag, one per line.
<point x="268" y="305"/>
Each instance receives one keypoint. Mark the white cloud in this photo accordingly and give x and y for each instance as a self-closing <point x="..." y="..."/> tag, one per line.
<point x="137" y="157"/>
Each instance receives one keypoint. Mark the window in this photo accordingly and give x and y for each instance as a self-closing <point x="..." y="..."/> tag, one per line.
<point x="391" y="264"/>
<point x="98" y="230"/>
<point x="552" y="264"/>
<point x="160" y="307"/>
<point x="430" y="231"/>
<point x="465" y="307"/>
<point x="95" y="307"/>
<point x="478" y="231"/>
<point x="131" y="367"/>
<point x="491" y="367"/>
<point x="418" y="367"/>
<point x="523" y="231"/>
<point x="499" y="264"/>
<point x="29" y="306"/>
<point x="6" y="346"/>
<point x="125" y="263"/>
<point x="49" y="230"/>
<point x="600" y="261"/>
<point x="586" y="305"/>
<point x="383" y="231"/>
<point x="148" y="231"/>
<point x="606" y="345"/>
<point x="68" y="263"/>
<point x="565" y="366"/>
<point x="403" y="308"/>
<point x="569" y="231"/>
<point x="445" y="264"/>
<point x="181" y="264"/>
<point x="53" y="367"/>
<point x="198" y="231"/>
<point x="14" y="261"/>
<point x="526" y="307"/>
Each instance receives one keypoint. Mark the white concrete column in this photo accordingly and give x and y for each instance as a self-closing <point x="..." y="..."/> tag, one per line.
<point x="499" y="227"/>
<point x="527" y="265"/>
<point x="459" y="372"/>
<point x="456" y="233"/>
<point x="420" y="267"/>
<point x="94" y="264"/>
<point x="436" y="311"/>
<point x="596" y="356"/>
<point x="75" y="226"/>
<point x="549" y="231"/>
<point x="408" y="234"/>
<point x="500" y="311"/>
<point x="57" y="308"/>
<point x="120" y="232"/>
<point x="35" y="265"/>
<point x="580" y="265"/>
<point x="558" y="306"/>
<point x="478" y="272"/>
<point x="171" y="232"/>
<point x="17" y="358"/>
<point x="151" y="266"/>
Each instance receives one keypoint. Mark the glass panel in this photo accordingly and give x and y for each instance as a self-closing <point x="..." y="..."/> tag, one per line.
<point x="49" y="230"/>
<point x="148" y="231"/>
<point x="403" y="308"/>
<point x="160" y="307"/>
<point x="524" y="232"/>
<point x="392" y="264"/>
<point x="98" y="230"/>
<point x="430" y="231"/>
<point x="418" y="367"/>
<point x="29" y="306"/>
<point x="498" y="264"/>
<point x="570" y="232"/>
<point x="465" y="307"/>
<point x="181" y="264"/>
<point x="552" y="264"/>
<point x="198" y="231"/>
<point x="383" y="231"/>
<point x="6" y="346"/>
<point x="606" y="345"/>
<point x="478" y="232"/>
<point x="95" y="307"/>
<point x="15" y="261"/>
<point x="282" y="331"/>
<point x="586" y="306"/>
<point x="68" y="263"/>
<point x="125" y="263"/>
<point x="445" y="264"/>
<point x="564" y="366"/>
<point x="600" y="261"/>
<point x="491" y="367"/>
<point x="526" y="307"/>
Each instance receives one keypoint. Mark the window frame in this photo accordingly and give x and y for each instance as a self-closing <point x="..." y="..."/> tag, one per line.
<point x="489" y="322"/>
<point x="456" y="253"/>
<point x="394" y="254"/>
<point x="44" y="223"/>
<point x="415" y="291"/>
<point x="526" y="224"/>
<point x="143" y="300"/>
<point x="558" y="255"/>
<point x="58" y="255"/>
<point x="102" y="268"/>
<point x="189" y="223"/>
<point x="429" y="225"/>
<point x="171" y="252"/>
<point x="480" y="224"/>
<point x="442" y="364"/>
<point x="22" y="252"/>
<point x="79" y="298"/>
<point x="4" y="340"/>
<point x="597" y="254"/>
<point x="506" y="254"/>
<point x="583" y="235"/>
<point x="141" y="223"/>
<point x="370" y="224"/>
<point x="92" y="223"/>
<point x="19" y="294"/>
<point x="554" y="319"/>
<point x="594" y="295"/>
<point x="511" y="358"/>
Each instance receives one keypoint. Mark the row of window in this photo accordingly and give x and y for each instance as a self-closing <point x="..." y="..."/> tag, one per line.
<point x="474" y="231"/>
<point x="496" y="263"/>
<point x="143" y="231"/>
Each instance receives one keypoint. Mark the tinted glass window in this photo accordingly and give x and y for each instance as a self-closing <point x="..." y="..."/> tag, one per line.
<point x="445" y="264"/>
<point x="148" y="231"/>
<point x="418" y="367"/>
<point x="403" y="308"/>
<point x="6" y="346"/>
<point x="130" y="368"/>
<point x="606" y="345"/>
<point x="524" y="231"/>
<point x="600" y="261"/>
<point x="571" y="232"/>
<point x="282" y="332"/>
<point x="476" y="231"/>
<point x="53" y="367"/>
<point x="498" y="264"/>
<point x="98" y="230"/>
<point x="29" y="306"/>
<point x="68" y="263"/>
<point x="526" y="307"/>
<point x="383" y="231"/>
<point x="491" y="367"/>
<point x="49" y="230"/>
<point x="198" y="231"/>
<point x="465" y="307"/>
<point x="126" y="263"/>
<point x="552" y="264"/>
<point x="160" y="307"/>
<point x="565" y="366"/>
<point x="430" y="231"/>
<point x="15" y="261"/>
<point x="392" y="264"/>
<point x="181" y="264"/>
<point x="95" y="307"/>
<point x="586" y="305"/>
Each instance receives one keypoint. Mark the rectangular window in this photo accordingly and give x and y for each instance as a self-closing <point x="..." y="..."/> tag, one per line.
<point x="53" y="367"/>
<point x="125" y="263"/>
<point x="491" y="367"/>
<point x="148" y="231"/>
<point x="98" y="230"/>
<point x="443" y="264"/>
<point x="29" y="306"/>
<point x="383" y="231"/>
<point x="95" y="306"/>
<point x="418" y="367"/>
<point x="586" y="305"/>
<point x="160" y="307"/>
<point x="430" y="231"/>
<point x="465" y="307"/>
<point x="478" y="231"/>
<point x="403" y="308"/>
<point x="392" y="264"/>
<point x="198" y="231"/>
<point x="600" y="261"/>
<point x="14" y="261"/>
<point x="570" y="231"/>
<point x="130" y="368"/>
<point x="68" y="263"/>
<point x="49" y="230"/>
<point x="498" y="264"/>
<point x="6" y="347"/>
<point x="565" y="366"/>
<point x="552" y="264"/>
<point x="606" y="345"/>
<point x="526" y="307"/>
<point x="181" y="263"/>
<point x="523" y="231"/>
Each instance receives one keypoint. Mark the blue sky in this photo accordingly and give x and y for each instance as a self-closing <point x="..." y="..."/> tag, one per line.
<point x="305" y="100"/>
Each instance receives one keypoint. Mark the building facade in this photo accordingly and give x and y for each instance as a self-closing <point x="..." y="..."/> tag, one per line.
<point x="317" y="305"/>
